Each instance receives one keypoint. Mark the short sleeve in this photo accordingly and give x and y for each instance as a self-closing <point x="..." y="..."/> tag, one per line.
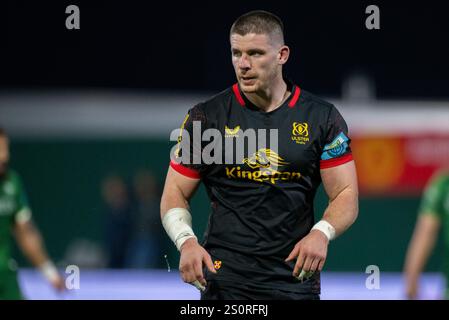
<point x="336" y="150"/>
<point x="186" y="155"/>
<point x="23" y="211"/>
<point x="432" y="199"/>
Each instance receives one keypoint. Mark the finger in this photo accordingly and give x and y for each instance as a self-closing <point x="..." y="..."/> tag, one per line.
<point x="187" y="274"/>
<point x="198" y="285"/>
<point x="187" y="277"/>
<point x="321" y="264"/>
<point x="198" y="271"/>
<point x="299" y="264"/>
<point x="293" y="254"/>
<point x="315" y="264"/>
<point x="307" y="264"/>
<point x="301" y="275"/>
<point x="208" y="262"/>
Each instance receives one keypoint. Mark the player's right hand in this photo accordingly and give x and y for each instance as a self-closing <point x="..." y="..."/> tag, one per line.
<point x="191" y="263"/>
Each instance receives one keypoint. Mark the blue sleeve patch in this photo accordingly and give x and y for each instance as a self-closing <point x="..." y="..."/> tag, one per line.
<point x="336" y="148"/>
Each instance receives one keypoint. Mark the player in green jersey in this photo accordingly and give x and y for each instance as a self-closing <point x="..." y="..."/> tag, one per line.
<point x="15" y="219"/>
<point x="433" y="216"/>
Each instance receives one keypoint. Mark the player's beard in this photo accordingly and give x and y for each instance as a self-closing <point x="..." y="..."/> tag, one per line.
<point x="3" y="170"/>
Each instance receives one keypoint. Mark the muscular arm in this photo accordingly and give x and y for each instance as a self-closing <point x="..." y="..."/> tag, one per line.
<point x="421" y="245"/>
<point x="178" y="190"/>
<point x="30" y="242"/>
<point x="340" y="184"/>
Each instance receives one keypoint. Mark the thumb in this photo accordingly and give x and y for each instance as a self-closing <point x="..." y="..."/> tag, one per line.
<point x="208" y="262"/>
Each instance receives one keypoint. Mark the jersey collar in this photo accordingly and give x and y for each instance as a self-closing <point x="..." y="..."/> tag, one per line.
<point x="292" y="99"/>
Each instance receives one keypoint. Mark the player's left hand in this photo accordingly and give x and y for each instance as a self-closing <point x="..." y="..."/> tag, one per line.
<point x="311" y="253"/>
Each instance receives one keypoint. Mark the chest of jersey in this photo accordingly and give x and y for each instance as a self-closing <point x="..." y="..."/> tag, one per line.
<point x="283" y="145"/>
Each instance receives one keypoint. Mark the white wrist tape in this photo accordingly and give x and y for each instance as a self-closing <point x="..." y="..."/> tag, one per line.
<point x="49" y="271"/>
<point x="177" y="223"/>
<point x="198" y="285"/>
<point x="326" y="228"/>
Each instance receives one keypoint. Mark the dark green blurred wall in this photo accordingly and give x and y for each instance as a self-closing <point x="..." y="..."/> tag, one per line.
<point x="63" y="178"/>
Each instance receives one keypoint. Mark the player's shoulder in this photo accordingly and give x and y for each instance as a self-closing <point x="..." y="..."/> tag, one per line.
<point x="315" y="102"/>
<point x="440" y="178"/>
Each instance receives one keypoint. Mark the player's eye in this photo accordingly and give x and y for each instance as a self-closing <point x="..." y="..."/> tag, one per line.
<point x="255" y="53"/>
<point x="236" y="54"/>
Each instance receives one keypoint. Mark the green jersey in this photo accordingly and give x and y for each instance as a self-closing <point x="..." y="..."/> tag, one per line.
<point x="13" y="208"/>
<point x="436" y="202"/>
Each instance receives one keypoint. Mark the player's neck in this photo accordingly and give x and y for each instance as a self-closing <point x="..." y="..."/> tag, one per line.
<point x="271" y="98"/>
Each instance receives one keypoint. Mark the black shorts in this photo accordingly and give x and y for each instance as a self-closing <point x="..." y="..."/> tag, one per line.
<point x="228" y="290"/>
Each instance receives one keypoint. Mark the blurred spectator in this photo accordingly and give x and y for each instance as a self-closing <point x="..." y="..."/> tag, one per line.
<point x="119" y="220"/>
<point x="85" y="254"/>
<point x="433" y="216"/>
<point x="145" y="249"/>
<point x="358" y="86"/>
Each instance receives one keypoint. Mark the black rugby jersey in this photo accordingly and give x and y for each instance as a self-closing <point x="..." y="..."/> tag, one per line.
<point x="262" y="205"/>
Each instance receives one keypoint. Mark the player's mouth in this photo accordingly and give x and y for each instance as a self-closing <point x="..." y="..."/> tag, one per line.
<point x="248" y="80"/>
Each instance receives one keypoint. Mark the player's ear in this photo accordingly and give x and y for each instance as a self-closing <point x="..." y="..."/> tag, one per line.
<point x="284" y="53"/>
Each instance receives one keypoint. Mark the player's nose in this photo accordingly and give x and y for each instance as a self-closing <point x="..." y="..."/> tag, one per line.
<point x="244" y="63"/>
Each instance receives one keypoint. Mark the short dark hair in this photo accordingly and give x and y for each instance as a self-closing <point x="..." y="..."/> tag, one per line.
<point x="2" y="132"/>
<point x="258" y="22"/>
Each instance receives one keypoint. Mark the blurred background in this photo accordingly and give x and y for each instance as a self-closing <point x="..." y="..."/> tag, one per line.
<point x="90" y="111"/>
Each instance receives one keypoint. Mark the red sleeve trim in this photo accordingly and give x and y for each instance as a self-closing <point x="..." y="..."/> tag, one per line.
<point x="324" y="164"/>
<point x="295" y="97"/>
<point x="239" y="97"/>
<point x="190" y="173"/>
